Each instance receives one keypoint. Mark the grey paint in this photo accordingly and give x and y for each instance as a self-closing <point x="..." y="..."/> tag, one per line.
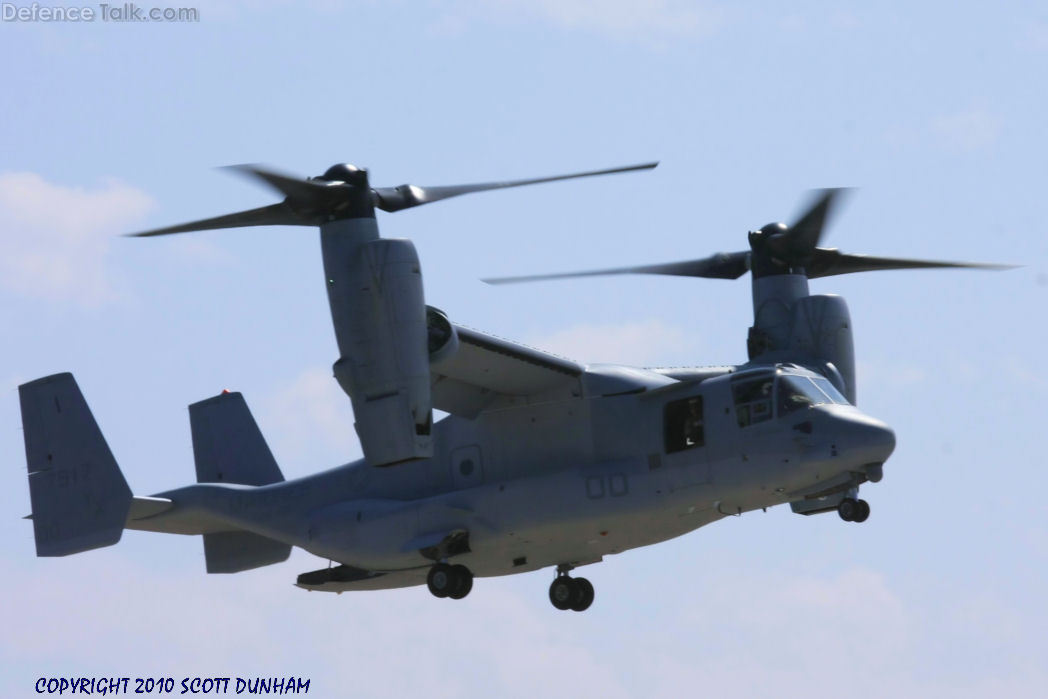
<point x="542" y="462"/>
<point x="564" y="481"/>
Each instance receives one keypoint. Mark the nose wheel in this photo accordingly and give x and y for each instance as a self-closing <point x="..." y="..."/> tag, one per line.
<point x="852" y="510"/>
<point x="454" y="581"/>
<point x="566" y="592"/>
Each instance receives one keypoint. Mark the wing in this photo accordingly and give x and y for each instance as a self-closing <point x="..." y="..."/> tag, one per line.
<point x="485" y="369"/>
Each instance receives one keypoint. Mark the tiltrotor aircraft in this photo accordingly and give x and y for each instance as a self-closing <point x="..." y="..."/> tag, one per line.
<point x="541" y="462"/>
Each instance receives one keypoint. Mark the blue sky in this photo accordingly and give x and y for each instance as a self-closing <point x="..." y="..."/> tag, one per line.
<point x="934" y="112"/>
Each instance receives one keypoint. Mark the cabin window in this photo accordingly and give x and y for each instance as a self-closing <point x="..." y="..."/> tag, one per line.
<point x="683" y="420"/>
<point x="753" y="400"/>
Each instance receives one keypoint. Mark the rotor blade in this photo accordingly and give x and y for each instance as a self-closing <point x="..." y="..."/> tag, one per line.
<point x="407" y="196"/>
<point x="720" y="266"/>
<point x="800" y="239"/>
<point x="299" y="190"/>
<point x="808" y="230"/>
<point x="273" y="215"/>
<point x="829" y="262"/>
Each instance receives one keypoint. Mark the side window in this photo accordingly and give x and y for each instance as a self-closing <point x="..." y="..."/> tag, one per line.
<point x="683" y="424"/>
<point x="753" y="400"/>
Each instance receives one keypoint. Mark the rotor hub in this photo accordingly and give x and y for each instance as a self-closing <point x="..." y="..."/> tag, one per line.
<point x="345" y="172"/>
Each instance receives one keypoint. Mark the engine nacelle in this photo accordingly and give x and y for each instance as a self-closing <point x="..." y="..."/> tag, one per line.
<point x="375" y="289"/>
<point x="442" y="338"/>
<point x="821" y="329"/>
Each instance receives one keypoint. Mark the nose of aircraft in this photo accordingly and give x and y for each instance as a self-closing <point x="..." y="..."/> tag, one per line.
<point x="864" y="439"/>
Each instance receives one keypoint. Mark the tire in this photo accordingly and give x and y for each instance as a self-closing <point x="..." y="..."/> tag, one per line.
<point x="563" y="592"/>
<point x="585" y="595"/>
<point x="463" y="581"/>
<point x="863" y="512"/>
<point x="848" y="509"/>
<point x="441" y="580"/>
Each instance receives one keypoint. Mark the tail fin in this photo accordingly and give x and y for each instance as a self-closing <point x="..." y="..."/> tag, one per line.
<point x="80" y="499"/>
<point x="229" y="448"/>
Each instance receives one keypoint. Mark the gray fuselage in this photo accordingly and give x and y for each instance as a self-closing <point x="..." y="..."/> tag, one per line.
<point x="568" y="479"/>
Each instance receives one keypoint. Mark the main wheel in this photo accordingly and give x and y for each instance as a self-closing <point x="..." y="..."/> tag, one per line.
<point x="463" y="581"/>
<point x="864" y="511"/>
<point x="585" y="595"/>
<point x="563" y="592"/>
<point x="441" y="580"/>
<point x="848" y="509"/>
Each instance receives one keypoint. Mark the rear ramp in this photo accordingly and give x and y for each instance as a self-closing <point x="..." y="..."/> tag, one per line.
<point x="79" y="497"/>
<point x="228" y="447"/>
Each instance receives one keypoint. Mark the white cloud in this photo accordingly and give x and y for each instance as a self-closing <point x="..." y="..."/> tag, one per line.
<point x="731" y="624"/>
<point x="310" y="420"/>
<point x="1023" y="374"/>
<point x="116" y="612"/>
<point x="652" y="22"/>
<point x="844" y="20"/>
<point x="800" y="626"/>
<point x="793" y="24"/>
<point x="970" y="130"/>
<point x="1035" y="36"/>
<point x="655" y="19"/>
<point x="640" y="343"/>
<point x="55" y="239"/>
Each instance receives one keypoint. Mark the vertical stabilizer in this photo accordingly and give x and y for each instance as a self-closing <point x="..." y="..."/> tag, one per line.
<point x="80" y="498"/>
<point x="228" y="447"/>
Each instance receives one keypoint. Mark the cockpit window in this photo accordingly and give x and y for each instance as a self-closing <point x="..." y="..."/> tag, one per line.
<point x="684" y="424"/>
<point x="753" y="400"/>
<point x="799" y="392"/>
<point x="830" y="390"/>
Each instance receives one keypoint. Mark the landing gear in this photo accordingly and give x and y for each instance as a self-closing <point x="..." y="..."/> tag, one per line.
<point x="566" y="592"/>
<point x="852" y="510"/>
<point x="562" y="592"/>
<point x="464" y="580"/>
<point x="454" y="581"/>
<point x="586" y="595"/>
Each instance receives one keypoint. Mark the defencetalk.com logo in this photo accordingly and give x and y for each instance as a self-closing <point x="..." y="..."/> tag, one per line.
<point x="104" y="12"/>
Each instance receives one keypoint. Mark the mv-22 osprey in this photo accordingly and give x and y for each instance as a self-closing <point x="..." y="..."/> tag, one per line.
<point x="542" y="462"/>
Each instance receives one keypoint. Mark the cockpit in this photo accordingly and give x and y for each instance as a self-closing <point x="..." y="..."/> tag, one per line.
<point x="765" y="395"/>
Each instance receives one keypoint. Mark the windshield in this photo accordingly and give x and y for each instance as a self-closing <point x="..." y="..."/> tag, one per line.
<point x="799" y="392"/>
<point x="830" y="390"/>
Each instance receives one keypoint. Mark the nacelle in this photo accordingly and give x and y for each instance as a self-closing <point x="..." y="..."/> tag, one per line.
<point x="442" y="339"/>
<point x="380" y="319"/>
<point x="821" y="329"/>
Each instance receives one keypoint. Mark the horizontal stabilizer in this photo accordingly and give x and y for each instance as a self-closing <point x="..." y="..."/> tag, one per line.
<point x="145" y="507"/>
<point x="80" y="499"/>
<point x="228" y="447"/>
<point x="233" y="552"/>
